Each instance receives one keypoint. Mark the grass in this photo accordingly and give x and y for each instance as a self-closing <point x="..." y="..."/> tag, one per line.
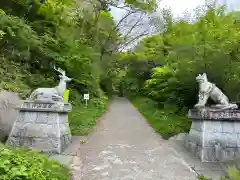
<point x="16" y="163"/>
<point x="163" y="121"/>
<point x="83" y="118"/>
<point x="233" y="173"/>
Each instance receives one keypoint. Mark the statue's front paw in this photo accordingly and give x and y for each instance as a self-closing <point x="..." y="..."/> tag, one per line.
<point x="198" y="105"/>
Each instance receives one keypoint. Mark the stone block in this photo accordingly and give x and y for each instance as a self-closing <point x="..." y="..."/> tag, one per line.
<point x="212" y="126"/>
<point x="214" y="114"/>
<point x="211" y="139"/>
<point x="230" y="140"/>
<point x="224" y="139"/>
<point x="65" y="141"/>
<point x="228" y="154"/>
<point x="40" y="144"/>
<point x="195" y="137"/>
<point x="46" y="117"/>
<point x="192" y="147"/>
<point x="209" y="154"/>
<point x="63" y="118"/>
<point x="8" y="112"/>
<point x="218" y="139"/>
<point x="238" y="140"/>
<point x="197" y="126"/>
<point x="236" y="127"/>
<point x="228" y="127"/>
<point x="64" y="129"/>
<point x="41" y="129"/>
<point x="35" y="130"/>
<point x="28" y="116"/>
<point x="199" y="152"/>
<point x="21" y="117"/>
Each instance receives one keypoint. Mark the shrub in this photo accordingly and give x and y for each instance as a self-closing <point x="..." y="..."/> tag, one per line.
<point x="20" y="164"/>
<point x="164" y="121"/>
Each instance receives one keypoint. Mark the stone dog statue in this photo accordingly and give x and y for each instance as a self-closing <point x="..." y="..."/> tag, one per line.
<point x="210" y="90"/>
<point x="52" y="94"/>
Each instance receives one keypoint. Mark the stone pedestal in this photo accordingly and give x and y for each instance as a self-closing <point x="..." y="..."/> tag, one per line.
<point x="214" y="134"/>
<point x="42" y="126"/>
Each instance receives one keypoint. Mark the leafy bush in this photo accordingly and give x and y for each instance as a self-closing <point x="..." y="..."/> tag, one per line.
<point x="13" y="77"/>
<point x="162" y="86"/>
<point x="29" y="165"/>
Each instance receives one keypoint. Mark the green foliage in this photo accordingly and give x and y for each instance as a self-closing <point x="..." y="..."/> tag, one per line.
<point x="162" y="86"/>
<point x="36" y="35"/>
<point x="233" y="174"/>
<point x="202" y="178"/>
<point x="12" y="77"/>
<point x="56" y="32"/>
<point x="77" y="36"/>
<point x="83" y="117"/>
<point x="168" y="62"/>
<point x="137" y="71"/>
<point x="148" y="5"/>
<point x="163" y="66"/>
<point x="29" y="165"/>
<point x="163" y="121"/>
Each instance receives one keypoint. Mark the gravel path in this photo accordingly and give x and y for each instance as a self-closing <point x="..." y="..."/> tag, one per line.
<point x="125" y="147"/>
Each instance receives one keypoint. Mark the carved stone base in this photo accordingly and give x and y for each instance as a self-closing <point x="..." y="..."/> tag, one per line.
<point x="42" y="126"/>
<point x="214" y="135"/>
<point x="224" y="107"/>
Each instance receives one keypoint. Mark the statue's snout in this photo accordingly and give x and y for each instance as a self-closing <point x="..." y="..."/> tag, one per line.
<point x="69" y="79"/>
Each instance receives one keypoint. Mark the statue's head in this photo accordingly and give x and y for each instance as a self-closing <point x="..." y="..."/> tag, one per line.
<point x="201" y="78"/>
<point x="65" y="78"/>
<point x="62" y="76"/>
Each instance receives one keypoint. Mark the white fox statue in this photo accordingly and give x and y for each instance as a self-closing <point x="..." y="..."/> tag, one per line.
<point x="210" y="90"/>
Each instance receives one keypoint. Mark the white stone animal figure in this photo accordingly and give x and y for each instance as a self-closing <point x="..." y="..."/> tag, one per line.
<point x="55" y="92"/>
<point x="208" y="89"/>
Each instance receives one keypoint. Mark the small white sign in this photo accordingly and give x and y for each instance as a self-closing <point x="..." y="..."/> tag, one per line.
<point x="86" y="96"/>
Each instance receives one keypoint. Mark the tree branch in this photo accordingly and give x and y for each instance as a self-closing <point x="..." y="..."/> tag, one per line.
<point x="133" y="40"/>
<point x="103" y="50"/>
<point x="124" y="7"/>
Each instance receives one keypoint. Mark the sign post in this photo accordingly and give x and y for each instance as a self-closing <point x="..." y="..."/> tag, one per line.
<point x="86" y="98"/>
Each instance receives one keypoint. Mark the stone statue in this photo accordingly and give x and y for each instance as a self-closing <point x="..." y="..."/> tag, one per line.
<point x="208" y="89"/>
<point x="52" y="94"/>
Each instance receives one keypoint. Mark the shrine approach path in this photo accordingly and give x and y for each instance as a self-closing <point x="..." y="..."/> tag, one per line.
<point x="125" y="147"/>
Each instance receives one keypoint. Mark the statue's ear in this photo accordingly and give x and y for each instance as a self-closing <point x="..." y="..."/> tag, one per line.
<point x="204" y="75"/>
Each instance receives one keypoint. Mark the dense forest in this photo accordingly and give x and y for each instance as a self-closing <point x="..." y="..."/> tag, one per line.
<point x="82" y="37"/>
